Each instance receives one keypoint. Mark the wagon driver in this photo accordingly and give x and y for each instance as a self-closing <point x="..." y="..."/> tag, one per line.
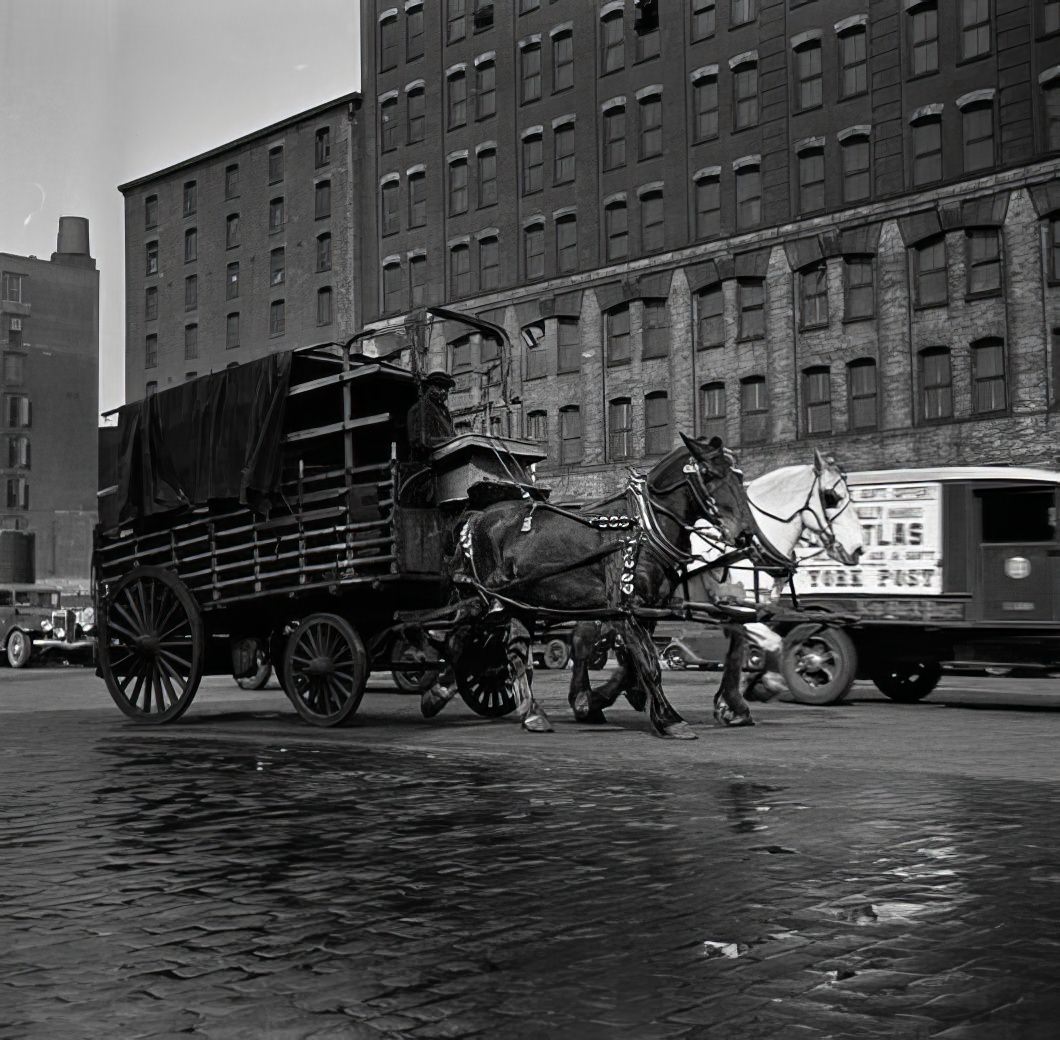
<point x="429" y="422"/>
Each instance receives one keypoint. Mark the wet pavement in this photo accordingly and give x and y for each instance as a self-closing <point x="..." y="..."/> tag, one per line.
<point x="245" y="876"/>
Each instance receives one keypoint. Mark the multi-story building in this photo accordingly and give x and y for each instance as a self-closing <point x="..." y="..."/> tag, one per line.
<point x="794" y="223"/>
<point x="243" y="250"/>
<point x="49" y="335"/>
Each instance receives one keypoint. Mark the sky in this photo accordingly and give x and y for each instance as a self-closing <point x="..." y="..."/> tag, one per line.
<point x="94" y="93"/>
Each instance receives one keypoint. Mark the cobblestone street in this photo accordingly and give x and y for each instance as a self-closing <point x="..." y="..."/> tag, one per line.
<point x="870" y="870"/>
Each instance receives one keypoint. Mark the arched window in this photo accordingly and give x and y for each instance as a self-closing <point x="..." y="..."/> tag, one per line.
<point x="457" y="94"/>
<point x="324" y="305"/>
<point x="857" y="185"/>
<point x="748" y="196"/>
<point x="656" y="329"/>
<point x="534" y="250"/>
<point x="853" y="61"/>
<point x="460" y="270"/>
<point x="712" y="410"/>
<point x="567" y="243"/>
<point x="533" y="337"/>
<point x="978" y="125"/>
<point x="388" y="124"/>
<point x="808" y="74"/>
<point x="618" y="338"/>
<point x="927" y="149"/>
<point x="612" y="40"/>
<point x="751" y="297"/>
<point x="936" y="384"/>
<point x="811" y="179"/>
<point x="652" y="226"/>
<point x="390" y="194"/>
<point x="862" y="404"/>
<point x="658" y="438"/>
<point x="708" y="205"/>
<point x="983" y="261"/>
<point x="710" y="315"/>
<point x="988" y="376"/>
<point x="616" y="230"/>
<point x="570" y="434"/>
<point x="485" y="88"/>
<point x="929" y="263"/>
<point x="537" y="428"/>
<point x="620" y="429"/>
<point x="416" y="108"/>
<point x="813" y="296"/>
<point x="817" y="399"/>
<point x="754" y="410"/>
<point x="392" y="287"/>
<point x="745" y="93"/>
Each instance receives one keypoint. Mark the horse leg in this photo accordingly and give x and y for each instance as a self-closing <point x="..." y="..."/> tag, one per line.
<point x="730" y="708"/>
<point x="665" y="720"/>
<point x="521" y="670"/>
<point x="768" y="682"/>
<point x="580" y="697"/>
<point x="444" y="689"/>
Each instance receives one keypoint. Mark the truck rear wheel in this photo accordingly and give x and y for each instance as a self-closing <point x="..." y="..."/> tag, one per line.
<point x="819" y="664"/>
<point x="907" y="681"/>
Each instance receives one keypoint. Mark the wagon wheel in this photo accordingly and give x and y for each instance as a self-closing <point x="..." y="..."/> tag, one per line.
<point x="325" y="669"/>
<point x="422" y="678"/>
<point x="151" y="645"/>
<point x="557" y="653"/>
<point x="481" y="671"/>
<point x="819" y="664"/>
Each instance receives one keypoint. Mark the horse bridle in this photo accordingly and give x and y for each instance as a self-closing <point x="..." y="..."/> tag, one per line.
<point x="825" y="529"/>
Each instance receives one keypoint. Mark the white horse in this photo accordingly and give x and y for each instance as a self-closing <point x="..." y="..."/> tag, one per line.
<point x="791" y="506"/>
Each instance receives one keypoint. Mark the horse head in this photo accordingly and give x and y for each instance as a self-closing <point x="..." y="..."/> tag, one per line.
<point x="718" y="488"/>
<point x="829" y="514"/>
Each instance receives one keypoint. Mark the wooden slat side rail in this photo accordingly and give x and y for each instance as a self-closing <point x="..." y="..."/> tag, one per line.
<point x="339" y="427"/>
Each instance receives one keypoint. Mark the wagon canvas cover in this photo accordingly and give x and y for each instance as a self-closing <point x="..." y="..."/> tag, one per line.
<point x="216" y="437"/>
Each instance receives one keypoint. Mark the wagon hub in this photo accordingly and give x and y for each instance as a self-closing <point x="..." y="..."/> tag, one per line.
<point x="147" y="642"/>
<point x="320" y="666"/>
<point x="811" y="661"/>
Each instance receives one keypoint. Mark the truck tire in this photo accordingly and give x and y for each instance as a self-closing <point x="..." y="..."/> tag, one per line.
<point x="557" y="653"/>
<point x="818" y="663"/>
<point x="907" y="681"/>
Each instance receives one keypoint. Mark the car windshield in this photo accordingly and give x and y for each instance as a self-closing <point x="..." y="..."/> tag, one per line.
<point x="30" y="598"/>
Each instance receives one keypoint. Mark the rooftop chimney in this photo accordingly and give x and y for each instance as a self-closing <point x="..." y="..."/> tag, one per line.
<point x="72" y="244"/>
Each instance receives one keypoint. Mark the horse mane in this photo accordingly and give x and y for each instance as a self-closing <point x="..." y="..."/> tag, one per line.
<point x="662" y="475"/>
<point x="774" y="479"/>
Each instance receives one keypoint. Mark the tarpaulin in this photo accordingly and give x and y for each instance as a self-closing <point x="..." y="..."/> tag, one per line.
<point x="216" y="437"/>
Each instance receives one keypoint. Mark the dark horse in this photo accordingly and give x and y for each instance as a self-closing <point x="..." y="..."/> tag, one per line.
<point x="529" y="559"/>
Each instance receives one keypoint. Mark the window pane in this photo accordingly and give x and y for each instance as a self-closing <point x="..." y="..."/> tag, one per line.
<point x="568" y="345"/>
<point x="711" y="325"/>
<point x="618" y="339"/>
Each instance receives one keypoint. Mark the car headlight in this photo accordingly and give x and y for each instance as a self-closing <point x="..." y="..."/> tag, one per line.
<point x="88" y="628"/>
<point x="88" y="616"/>
<point x="60" y="633"/>
<point x="45" y="626"/>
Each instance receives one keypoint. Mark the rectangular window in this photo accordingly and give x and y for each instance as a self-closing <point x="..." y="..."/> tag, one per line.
<point x="191" y="342"/>
<point x="616" y="228"/>
<point x="646" y="43"/>
<point x="416" y="103"/>
<point x="984" y="261"/>
<point x="388" y="124"/>
<point x="455" y="20"/>
<point x="854" y="63"/>
<point x="708" y="207"/>
<point x="656" y="336"/>
<point x="276" y="164"/>
<point x="817" y="394"/>
<point x="745" y="90"/>
<point x="322" y="149"/>
<point x="190" y="199"/>
<point x="486" y="94"/>
<point x="150" y="351"/>
<point x="483" y="16"/>
<point x="150" y="303"/>
<point x="809" y="74"/>
<point x="618" y="339"/>
<point x="390" y="199"/>
<point x="748" y="197"/>
<point x="530" y="73"/>
<point x="458" y="187"/>
<point x="231" y="331"/>
<point x="534" y="251"/>
<point x="489" y="263"/>
<point x="856" y="183"/>
<point x="930" y="268"/>
<point x="861" y="377"/>
<point x="927" y="151"/>
<point x="751" y="296"/>
<point x="276" y="215"/>
<point x="413" y="35"/>
<point x="975" y="28"/>
<point x="563" y="154"/>
<point x="742" y="12"/>
<point x="388" y="43"/>
<point x="460" y="270"/>
<point x="191" y="245"/>
<point x="859" y="295"/>
<point x="811" y="180"/>
<point x="232" y="282"/>
<point x="657" y="436"/>
<point x="150" y="212"/>
<point x="754" y="411"/>
<point x="232" y="231"/>
<point x="537" y="428"/>
<point x="562" y="62"/>
<point x="704" y="20"/>
<point x="813" y="283"/>
<point x="17" y="493"/>
<point x="20" y="411"/>
<point x="487" y="178"/>
<point x="651" y="129"/>
<point x="652" y="226"/>
<point x="936" y="382"/>
<point x="570" y="432"/>
<point x="14" y="333"/>
<point x="191" y="292"/>
<point x="567" y="244"/>
<point x="924" y="39"/>
<point x="391" y="288"/>
<point x="417" y="200"/>
<point x="533" y="164"/>
<point x="710" y="326"/>
<point x="324" y="306"/>
<point x="612" y="42"/>
<point x="705" y="99"/>
<point x="417" y="281"/>
<point x="568" y="345"/>
<point x="988" y="366"/>
<point x="322" y="200"/>
<point x="232" y="181"/>
<point x="614" y="137"/>
<point x="536" y="354"/>
<point x="277" y="318"/>
<point x="978" y="137"/>
<point x="18" y="453"/>
<point x="151" y="266"/>
<point x="14" y="369"/>
<point x="457" y="100"/>
<point x="277" y="267"/>
<point x="712" y="411"/>
<point x="620" y="429"/>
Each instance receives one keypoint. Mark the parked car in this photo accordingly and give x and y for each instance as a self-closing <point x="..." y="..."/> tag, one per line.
<point x="34" y="624"/>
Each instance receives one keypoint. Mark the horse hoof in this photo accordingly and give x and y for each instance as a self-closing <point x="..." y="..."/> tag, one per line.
<point x="734" y="721"/>
<point x="592" y="717"/>
<point x="537" y="724"/>
<point x="677" y="731"/>
<point x="433" y="700"/>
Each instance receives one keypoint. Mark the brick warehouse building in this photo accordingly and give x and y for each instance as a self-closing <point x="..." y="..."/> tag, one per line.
<point x="798" y="224"/>
<point x="49" y="337"/>
<point x="243" y="250"/>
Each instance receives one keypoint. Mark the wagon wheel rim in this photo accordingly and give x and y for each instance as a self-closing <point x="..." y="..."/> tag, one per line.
<point x="152" y="650"/>
<point x="325" y="670"/>
<point x="482" y="675"/>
